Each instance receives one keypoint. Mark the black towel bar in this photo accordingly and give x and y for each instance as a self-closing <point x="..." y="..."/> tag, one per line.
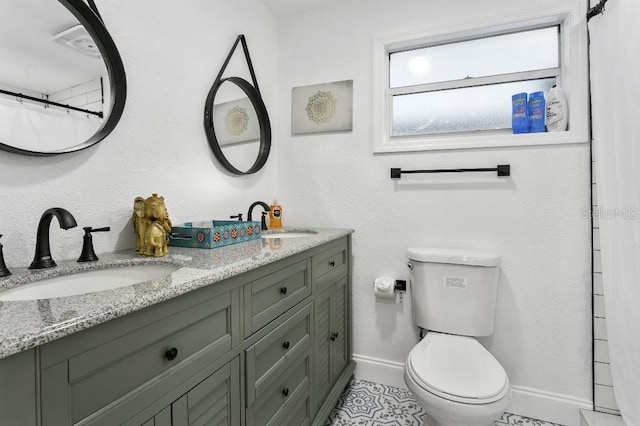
<point x="502" y="169"/>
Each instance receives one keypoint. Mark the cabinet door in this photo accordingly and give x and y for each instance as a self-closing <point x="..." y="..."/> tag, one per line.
<point x="339" y="329"/>
<point x="214" y="401"/>
<point x="331" y="337"/>
<point x="322" y="345"/>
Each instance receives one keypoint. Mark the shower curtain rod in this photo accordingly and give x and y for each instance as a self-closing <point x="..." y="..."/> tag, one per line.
<point x="47" y="102"/>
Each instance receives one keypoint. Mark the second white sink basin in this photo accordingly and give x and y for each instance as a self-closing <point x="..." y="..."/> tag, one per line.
<point x="87" y="282"/>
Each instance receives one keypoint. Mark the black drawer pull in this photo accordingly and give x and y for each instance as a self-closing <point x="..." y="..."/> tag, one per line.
<point x="285" y="392"/>
<point x="283" y="290"/>
<point x="332" y="263"/>
<point x="171" y="354"/>
<point x="334" y="336"/>
<point x="285" y="345"/>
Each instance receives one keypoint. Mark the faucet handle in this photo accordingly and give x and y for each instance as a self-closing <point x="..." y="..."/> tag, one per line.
<point x="237" y="216"/>
<point x="103" y="229"/>
<point x="88" y="255"/>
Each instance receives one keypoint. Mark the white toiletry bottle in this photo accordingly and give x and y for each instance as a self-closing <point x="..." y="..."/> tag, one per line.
<point x="557" y="110"/>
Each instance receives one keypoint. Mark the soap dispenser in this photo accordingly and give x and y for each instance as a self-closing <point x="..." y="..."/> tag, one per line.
<point x="275" y="215"/>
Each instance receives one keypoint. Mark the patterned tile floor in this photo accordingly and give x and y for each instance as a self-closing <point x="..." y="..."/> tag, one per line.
<point x="371" y="404"/>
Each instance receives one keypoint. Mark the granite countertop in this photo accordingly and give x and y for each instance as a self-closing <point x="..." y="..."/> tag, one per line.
<point x="30" y="323"/>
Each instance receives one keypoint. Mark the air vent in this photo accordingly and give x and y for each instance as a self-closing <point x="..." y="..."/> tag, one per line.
<point x="78" y="39"/>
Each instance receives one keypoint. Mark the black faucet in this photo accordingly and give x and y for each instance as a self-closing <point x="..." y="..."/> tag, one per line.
<point x="265" y="206"/>
<point x="43" y="258"/>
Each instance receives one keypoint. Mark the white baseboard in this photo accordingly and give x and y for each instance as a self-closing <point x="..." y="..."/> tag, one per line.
<point x="381" y="371"/>
<point x="552" y="407"/>
<point x="526" y="402"/>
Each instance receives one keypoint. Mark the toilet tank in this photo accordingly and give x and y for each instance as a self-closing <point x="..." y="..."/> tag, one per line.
<point x="454" y="290"/>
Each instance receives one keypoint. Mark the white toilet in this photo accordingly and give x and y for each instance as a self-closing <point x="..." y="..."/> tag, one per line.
<point x="451" y="375"/>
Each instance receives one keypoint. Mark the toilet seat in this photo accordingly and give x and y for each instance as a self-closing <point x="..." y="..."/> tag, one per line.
<point x="457" y="368"/>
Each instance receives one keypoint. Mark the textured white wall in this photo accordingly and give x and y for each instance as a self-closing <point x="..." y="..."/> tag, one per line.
<point x="533" y="219"/>
<point x="172" y="53"/>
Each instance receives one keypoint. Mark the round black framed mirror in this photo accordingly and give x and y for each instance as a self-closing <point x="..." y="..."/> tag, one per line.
<point x="236" y="121"/>
<point x="62" y="84"/>
<point x="237" y="126"/>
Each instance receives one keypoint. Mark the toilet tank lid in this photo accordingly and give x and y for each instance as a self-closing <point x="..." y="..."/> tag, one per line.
<point x="454" y="256"/>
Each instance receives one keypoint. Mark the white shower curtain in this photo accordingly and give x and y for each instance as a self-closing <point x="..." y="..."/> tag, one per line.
<point x="615" y="85"/>
<point x="34" y="128"/>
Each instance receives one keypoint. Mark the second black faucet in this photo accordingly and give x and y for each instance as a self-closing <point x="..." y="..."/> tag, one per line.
<point x="265" y="206"/>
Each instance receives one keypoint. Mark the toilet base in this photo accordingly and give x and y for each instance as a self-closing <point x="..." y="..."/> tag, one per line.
<point x="442" y="412"/>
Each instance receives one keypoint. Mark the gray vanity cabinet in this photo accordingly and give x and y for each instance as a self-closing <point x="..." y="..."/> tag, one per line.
<point x="268" y="347"/>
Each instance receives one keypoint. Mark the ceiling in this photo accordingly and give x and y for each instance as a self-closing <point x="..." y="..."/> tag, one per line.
<point x="30" y="59"/>
<point x="282" y="8"/>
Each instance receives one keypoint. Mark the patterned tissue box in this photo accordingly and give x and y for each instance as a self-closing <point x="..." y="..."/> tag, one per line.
<point x="214" y="233"/>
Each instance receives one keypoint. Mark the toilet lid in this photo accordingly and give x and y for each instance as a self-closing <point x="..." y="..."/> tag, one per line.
<point x="457" y="368"/>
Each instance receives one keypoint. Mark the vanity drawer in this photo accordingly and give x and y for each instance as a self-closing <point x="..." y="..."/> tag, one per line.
<point x="269" y="297"/>
<point x="104" y="373"/>
<point x="272" y="355"/>
<point x="281" y="400"/>
<point x="330" y="265"/>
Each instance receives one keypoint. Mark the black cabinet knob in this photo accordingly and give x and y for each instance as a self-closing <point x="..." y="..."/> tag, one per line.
<point x="283" y="290"/>
<point x="171" y="354"/>
<point x="334" y="336"/>
<point x="285" y="392"/>
<point x="332" y="263"/>
<point x="285" y="345"/>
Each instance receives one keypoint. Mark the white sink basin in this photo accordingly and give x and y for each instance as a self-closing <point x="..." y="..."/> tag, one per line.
<point x="289" y="234"/>
<point x="87" y="282"/>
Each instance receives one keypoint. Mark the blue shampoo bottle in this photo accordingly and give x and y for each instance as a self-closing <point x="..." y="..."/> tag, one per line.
<point x="520" y="113"/>
<point x="537" y="112"/>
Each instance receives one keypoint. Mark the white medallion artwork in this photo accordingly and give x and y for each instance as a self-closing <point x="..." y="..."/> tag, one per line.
<point x="322" y="108"/>
<point x="236" y="121"/>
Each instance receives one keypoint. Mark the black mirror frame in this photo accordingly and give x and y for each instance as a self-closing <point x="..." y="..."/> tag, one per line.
<point x="89" y="17"/>
<point x="253" y="93"/>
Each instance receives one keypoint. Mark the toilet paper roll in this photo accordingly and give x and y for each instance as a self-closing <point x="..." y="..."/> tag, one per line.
<point x="384" y="287"/>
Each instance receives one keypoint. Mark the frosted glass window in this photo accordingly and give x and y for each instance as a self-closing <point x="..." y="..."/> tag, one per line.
<point x="459" y="110"/>
<point x="466" y="86"/>
<point x="502" y="54"/>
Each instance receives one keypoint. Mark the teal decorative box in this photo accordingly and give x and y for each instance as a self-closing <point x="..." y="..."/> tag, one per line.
<point x="215" y="233"/>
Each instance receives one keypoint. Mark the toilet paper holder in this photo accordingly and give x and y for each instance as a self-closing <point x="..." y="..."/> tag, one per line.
<point x="398" y="285"/>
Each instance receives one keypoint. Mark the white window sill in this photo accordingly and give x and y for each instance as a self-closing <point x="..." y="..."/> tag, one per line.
<point x="478" y="140"/>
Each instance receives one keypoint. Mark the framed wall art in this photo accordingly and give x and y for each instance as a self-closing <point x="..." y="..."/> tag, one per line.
<point x="322" y="108"/>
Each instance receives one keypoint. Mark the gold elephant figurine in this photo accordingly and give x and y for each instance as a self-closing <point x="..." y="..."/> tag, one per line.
<point x="152" y="226"/>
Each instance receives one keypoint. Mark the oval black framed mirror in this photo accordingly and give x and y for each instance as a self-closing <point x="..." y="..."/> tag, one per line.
<point x="236" y="121"/>
<point x="62" y="84"/>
